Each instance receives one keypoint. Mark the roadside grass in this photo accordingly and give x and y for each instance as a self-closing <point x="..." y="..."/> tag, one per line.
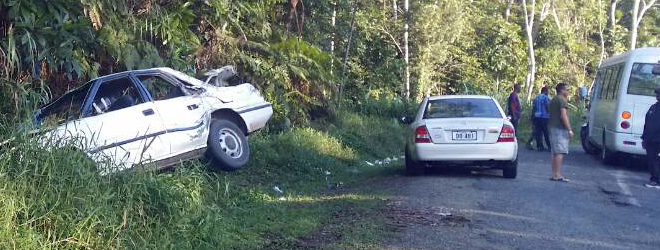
<point x="55" y="199"/>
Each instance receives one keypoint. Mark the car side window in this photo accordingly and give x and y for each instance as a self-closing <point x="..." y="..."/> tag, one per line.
<point x="114" y="95"/>
<point x="66" y="108"/>
<point x="159" y="88"/>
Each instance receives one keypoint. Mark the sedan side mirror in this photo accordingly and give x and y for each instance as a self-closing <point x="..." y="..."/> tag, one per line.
<point x="406" y="120"/>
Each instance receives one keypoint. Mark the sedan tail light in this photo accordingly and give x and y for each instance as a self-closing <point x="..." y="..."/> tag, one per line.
<point x="422" y="135"/>
<point x="508" y="134"/>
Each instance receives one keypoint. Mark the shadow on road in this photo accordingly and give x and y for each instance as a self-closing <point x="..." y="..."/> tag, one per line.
<point x="462" y="172"/>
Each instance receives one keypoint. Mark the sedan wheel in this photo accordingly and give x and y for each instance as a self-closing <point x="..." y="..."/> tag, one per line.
<point x="413" y="168"/>
<point x="510" y="169"/>
<point x="227" y="145"/>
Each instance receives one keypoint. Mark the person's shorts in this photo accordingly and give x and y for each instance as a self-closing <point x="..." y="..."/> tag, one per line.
<point x="559" y="140"/>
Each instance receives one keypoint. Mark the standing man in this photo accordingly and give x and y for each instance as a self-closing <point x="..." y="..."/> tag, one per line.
<point x="560" y="130"/>
<point x="513" y="106"/>
<point x="651" y="141"/>
<point x="541" y="118"/>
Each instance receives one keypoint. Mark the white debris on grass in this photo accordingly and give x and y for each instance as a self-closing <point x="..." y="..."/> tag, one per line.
<point x="282" y="198"/>
<point x="369" y="163"/>
<point x="278" y="190"/>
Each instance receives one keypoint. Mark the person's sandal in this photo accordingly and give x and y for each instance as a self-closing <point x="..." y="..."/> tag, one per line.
<point x="561" y="179"/>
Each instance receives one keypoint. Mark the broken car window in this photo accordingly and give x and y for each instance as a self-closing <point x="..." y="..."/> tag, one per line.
<point x="66" y="108"/>
<point x="159" y="88"/>
<point x="115" y="95"/>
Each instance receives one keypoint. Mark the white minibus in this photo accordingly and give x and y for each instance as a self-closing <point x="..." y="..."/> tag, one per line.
<point x="621" y="96"/>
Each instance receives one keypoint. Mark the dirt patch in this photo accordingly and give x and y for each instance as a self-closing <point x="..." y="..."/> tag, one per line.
<point x="401" y="216"/>
<point x="328" y="233"/>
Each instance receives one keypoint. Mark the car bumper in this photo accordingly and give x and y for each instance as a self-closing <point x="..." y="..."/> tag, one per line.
<point x="505" y="151"/>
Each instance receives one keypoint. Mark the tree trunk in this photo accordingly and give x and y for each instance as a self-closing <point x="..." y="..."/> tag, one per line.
<point x="348" y="49"/>
<point x="634" y="24"/>
<point x="531" y="59"/>
<point x="333" y="22"/>
<point x="611" y="23"/>
<point x="600" y="33"/>
<point x="637" y="16"/>
<point x="395" y="10"/>
<point x="507" y="12"/>
<point x="602" y="40"/>
<point x="407" y="49"/>
<point x="543" y="14"/>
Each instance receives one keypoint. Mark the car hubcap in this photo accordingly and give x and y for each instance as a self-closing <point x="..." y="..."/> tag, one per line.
<point x="230" y="143"/>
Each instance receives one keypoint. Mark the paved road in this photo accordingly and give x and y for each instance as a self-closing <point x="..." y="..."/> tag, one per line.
<point x="601" y="208"/>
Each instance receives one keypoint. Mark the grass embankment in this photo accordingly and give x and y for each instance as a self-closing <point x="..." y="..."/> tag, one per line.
<point x="56" y="200"/>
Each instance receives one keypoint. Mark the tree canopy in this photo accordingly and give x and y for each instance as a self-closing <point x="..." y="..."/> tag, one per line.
<point x="301" y="52"/>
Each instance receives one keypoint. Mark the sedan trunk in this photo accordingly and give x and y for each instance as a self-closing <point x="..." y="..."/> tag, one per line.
<point x="464" y="130"/>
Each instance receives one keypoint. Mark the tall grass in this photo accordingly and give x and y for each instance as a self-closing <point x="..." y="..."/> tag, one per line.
<point x="55" y="198"/>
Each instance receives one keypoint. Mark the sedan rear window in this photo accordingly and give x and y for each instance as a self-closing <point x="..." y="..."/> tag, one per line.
<point x="462" y="107"/>
<point x="642" y="80"/>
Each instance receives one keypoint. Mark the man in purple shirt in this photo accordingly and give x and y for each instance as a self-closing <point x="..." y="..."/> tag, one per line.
<point x="513" y="106"/>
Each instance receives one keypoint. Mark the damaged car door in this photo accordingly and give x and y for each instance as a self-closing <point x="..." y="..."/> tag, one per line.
<point x="123" y="125"/>
<point x="184" y="116"/>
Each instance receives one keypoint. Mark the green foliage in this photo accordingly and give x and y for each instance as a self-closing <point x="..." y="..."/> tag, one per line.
<point x="54" y="33"/>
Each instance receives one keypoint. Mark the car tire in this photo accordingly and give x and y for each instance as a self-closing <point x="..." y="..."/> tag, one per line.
<point x="413" y="168"/>
<point x="588" y="147"/>
<point x="227" y="145"/>
<point x="606" y="156"/>
<point x="510" y="169"/>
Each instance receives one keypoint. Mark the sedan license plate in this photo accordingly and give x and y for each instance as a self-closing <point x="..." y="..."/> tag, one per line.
<point x="464" y="136"/>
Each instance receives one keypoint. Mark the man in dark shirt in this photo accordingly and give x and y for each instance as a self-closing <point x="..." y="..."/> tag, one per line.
<point x="513" y="106"/>
<point x="651" y="141"/>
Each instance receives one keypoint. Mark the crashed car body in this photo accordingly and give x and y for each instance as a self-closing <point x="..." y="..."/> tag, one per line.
<point x="156" y="116"/>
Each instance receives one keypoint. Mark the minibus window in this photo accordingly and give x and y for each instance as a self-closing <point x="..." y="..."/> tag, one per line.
<point x="597" y="83"/>
<point x="642" y="80"/>
<point x="614" y="86"/>
<point x="606" y="84"/>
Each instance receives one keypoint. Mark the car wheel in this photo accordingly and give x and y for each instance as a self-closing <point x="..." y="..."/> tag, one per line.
<point x="606" y="156"/>
<point x="227" y="145"/>
<point x="413" y="168"/>
<point x="588" y="147"/>
<point x="510" y="169"/>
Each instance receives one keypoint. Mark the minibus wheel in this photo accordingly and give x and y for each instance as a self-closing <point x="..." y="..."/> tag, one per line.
<point x="588" y="147"/>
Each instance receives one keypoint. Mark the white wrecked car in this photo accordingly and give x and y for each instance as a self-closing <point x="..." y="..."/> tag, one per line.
<point x="157" y="116"/>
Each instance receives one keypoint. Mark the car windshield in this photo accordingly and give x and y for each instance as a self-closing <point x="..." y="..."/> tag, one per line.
<point x="462" y="107"/>
<point x="642" y="80"/>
